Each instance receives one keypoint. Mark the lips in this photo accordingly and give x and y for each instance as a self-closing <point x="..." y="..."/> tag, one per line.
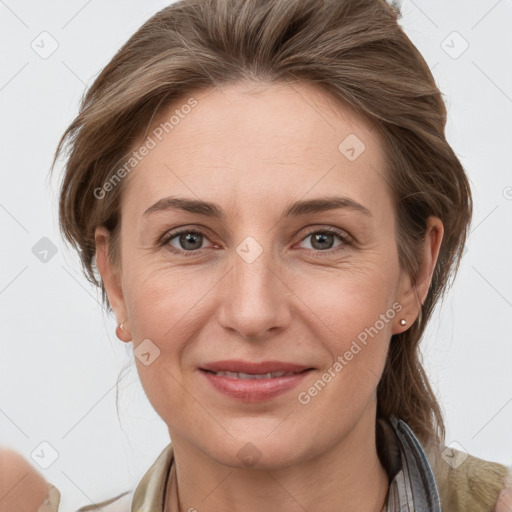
<point x="254" y="382"/>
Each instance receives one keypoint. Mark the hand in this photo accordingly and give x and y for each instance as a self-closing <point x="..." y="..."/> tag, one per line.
<point x="22" y="488"/>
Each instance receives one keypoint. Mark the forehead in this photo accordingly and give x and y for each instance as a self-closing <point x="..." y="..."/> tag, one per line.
<point x="260" y="141"/>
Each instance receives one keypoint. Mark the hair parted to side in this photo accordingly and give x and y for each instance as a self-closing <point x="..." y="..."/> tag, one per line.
<point x="355" y="51"/>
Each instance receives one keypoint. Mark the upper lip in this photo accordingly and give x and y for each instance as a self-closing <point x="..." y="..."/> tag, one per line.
<point x="239" y="366"/>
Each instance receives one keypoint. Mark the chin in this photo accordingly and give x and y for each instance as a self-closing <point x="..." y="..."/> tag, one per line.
<point x="256" y="451"/>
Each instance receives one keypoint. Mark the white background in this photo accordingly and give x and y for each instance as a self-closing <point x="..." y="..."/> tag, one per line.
<point x="60" y="359"/>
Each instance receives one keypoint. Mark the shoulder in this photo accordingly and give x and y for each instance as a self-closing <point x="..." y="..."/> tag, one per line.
<point x="147" y="495"/>
<point x="121" y="503"/>
<point x="466" y="482"/>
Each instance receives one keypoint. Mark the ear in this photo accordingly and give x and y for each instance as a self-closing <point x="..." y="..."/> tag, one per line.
<point x="111" y="278"/>
<point x="412" y="297"/>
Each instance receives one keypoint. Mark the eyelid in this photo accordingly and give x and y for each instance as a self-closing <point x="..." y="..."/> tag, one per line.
<point x="329" y="229"/>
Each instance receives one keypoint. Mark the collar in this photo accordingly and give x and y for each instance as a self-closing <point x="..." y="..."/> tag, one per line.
<point x="150" y="491"/>
<point x="412" y="483"/>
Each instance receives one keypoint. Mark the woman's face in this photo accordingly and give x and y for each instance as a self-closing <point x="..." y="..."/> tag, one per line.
<point x="296" y="263"/>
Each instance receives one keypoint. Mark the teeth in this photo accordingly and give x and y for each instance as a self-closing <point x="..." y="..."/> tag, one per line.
<point x="243" y="376"/>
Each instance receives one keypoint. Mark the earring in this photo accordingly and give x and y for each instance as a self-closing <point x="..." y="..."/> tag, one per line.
<point x="403" y="322"/>
<point x="121" y="332"/>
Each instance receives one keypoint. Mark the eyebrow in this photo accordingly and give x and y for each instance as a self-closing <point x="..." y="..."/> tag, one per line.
<point x="298" y="208"/>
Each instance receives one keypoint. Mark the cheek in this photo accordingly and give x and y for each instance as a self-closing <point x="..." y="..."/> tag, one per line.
<point x="165" y="306"/>
<point x="163" y="300"/>
<point x="352" y="311"/>
<point x="348" y="300"/>
<point x="356" y="315"/>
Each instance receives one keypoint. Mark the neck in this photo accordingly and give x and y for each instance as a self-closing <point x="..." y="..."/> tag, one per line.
<point x="345" y="477"/>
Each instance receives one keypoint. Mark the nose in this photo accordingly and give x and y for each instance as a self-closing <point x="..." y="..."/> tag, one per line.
<point x="256" y="300"/>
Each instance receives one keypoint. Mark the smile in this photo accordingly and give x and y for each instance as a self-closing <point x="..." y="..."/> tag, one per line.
<point x="254" y="387"/>
<point x="245" y="376"/>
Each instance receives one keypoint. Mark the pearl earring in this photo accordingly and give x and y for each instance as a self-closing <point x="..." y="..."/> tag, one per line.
<point x="121" y="332"/>
<point x="403" y="322"/>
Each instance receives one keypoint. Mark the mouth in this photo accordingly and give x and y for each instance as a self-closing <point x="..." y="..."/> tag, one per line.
<point x="254" y="382"/>
<point x="249" y="376"/>
<point x="250" y="368"/>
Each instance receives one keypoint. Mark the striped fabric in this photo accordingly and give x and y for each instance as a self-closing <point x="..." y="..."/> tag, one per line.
<point x="412" y="487"/>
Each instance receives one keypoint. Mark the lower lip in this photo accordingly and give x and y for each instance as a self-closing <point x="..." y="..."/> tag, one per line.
<point x="254" y="390"/>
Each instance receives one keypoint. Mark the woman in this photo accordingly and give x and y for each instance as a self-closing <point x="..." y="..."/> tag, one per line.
<point x="267" y="195"/>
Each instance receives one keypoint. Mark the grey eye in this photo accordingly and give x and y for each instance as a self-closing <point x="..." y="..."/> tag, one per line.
<point x="188" y="240"/>
<point x="322" y="240"/>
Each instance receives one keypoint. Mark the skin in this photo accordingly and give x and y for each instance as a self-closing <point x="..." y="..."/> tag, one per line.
<point x="504" y="502"/>
<point x="255" y="149"/>
<point x="22" y="488"/>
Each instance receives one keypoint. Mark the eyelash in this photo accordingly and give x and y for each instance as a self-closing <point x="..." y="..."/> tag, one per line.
<point x="344" y="238"/>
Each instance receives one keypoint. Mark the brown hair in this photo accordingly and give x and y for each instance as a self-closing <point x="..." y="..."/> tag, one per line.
<point x="355" y="51"/>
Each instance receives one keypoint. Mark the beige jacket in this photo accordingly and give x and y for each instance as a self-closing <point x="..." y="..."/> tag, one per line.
<point x="475" y="485"/>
